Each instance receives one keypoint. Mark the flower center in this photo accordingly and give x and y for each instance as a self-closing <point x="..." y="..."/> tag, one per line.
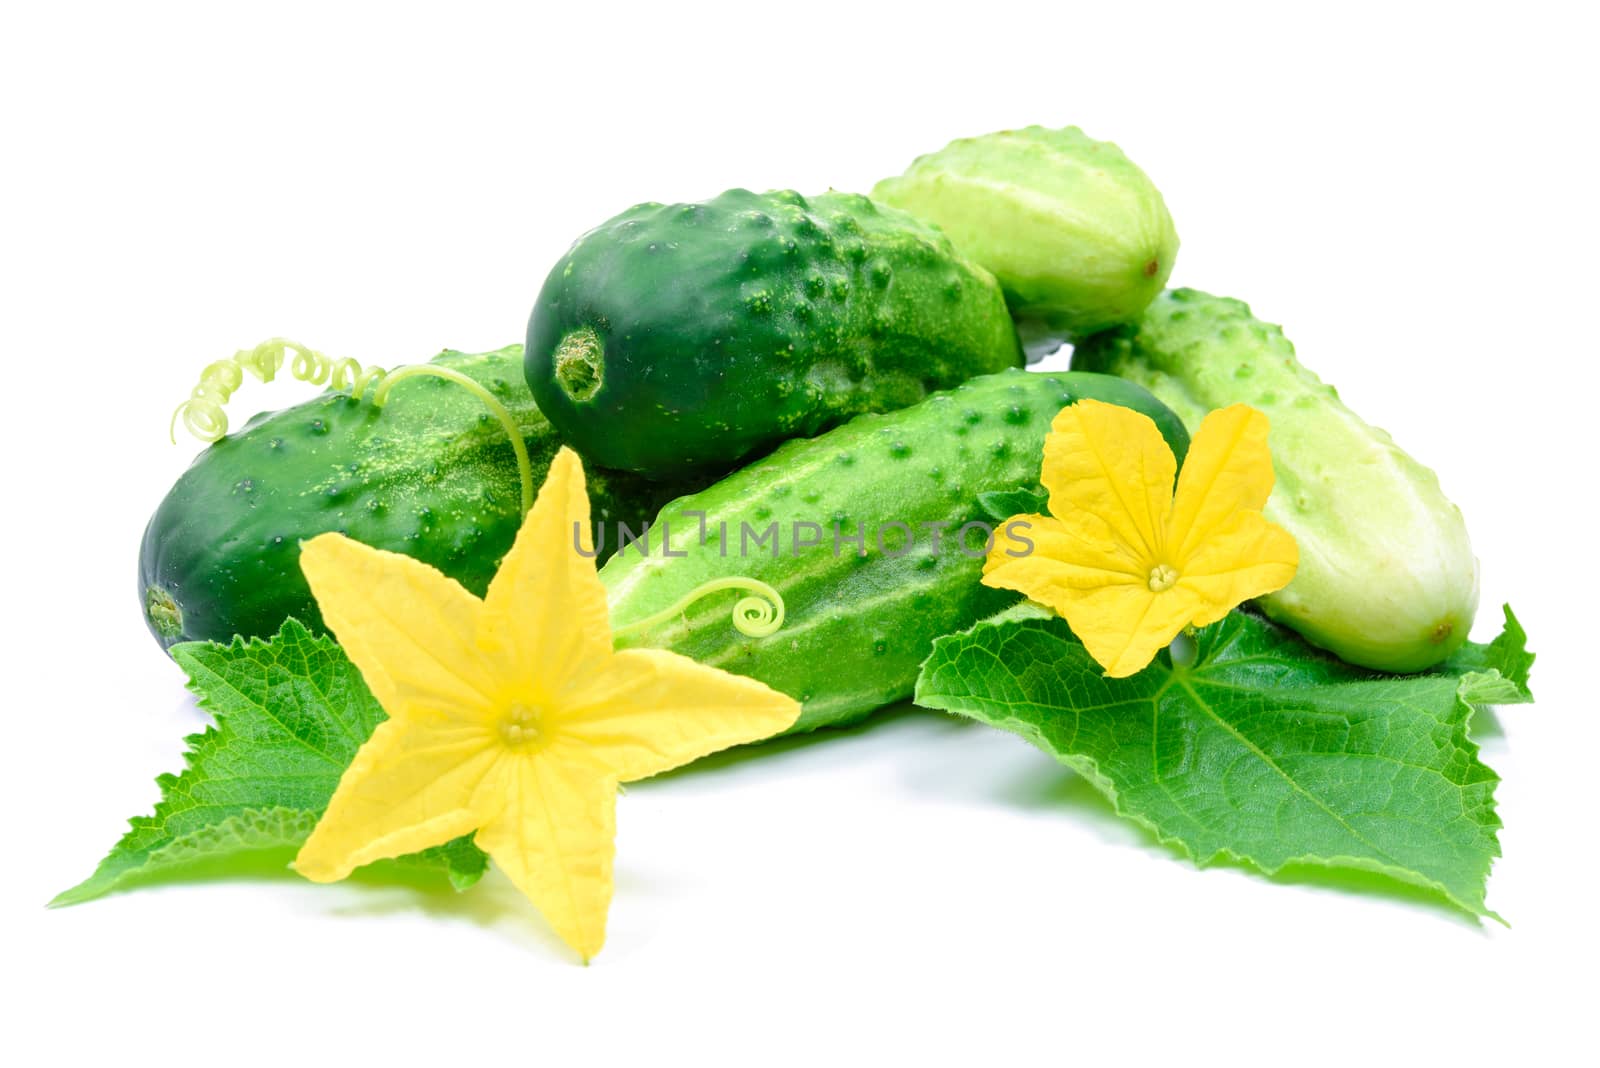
<point x="520" y="725"/>
<point x="1162" y="578"/>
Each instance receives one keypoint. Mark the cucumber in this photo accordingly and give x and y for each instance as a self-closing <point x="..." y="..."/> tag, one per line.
<point x="431" y="474"/>
<point x="1387" y="577"/>
<point x="682" y="338"/>
<point x="1076" y="233"/>
<point x="857" y="626"/>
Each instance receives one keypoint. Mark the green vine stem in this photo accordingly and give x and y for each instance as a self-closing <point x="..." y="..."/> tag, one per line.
<point x="757" y="616"/>
<point x="498" y="410"/>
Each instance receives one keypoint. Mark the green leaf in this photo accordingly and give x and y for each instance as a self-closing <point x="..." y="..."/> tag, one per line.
<point x="289" y="714"/>
<point x="1261" y="749"/>
<point x="1000" y="505"/>
<point x="1507" y="655"/>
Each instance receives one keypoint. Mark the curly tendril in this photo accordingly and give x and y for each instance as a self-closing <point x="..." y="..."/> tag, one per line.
<point x="757" y="616"/>
<point x="203" y="414"/>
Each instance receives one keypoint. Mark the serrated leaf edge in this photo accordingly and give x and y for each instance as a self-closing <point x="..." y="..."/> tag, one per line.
<point x="169" y="856"/>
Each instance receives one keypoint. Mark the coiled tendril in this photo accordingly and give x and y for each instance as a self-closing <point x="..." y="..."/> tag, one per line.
<point x="203" y="414"/>
<point x="204" y="417"/>
<point x="758" y="615"/>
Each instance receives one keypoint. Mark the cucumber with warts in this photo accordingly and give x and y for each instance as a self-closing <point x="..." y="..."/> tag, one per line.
<point x="843" y="527"/>
<point x="431" y="474"/>
<point x="681" y="338"/>
<point x="1387" y="576"/>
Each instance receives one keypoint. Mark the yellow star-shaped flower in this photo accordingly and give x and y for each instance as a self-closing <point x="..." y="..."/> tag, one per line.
<point x="1125" y="560"/>
<point x="512" y="716"/>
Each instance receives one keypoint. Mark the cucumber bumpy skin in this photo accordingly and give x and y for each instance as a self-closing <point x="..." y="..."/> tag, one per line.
<point x="431" y="474"/>
<point x="1079" y="236"/>
<point x="687" y="337"/>
<point x="1387" y="578"/>
<point x="857" y="627"/>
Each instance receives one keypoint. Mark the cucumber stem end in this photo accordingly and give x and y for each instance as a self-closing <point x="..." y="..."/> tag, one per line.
<point x="163" y="613"/>
<point x="580" y="364"/>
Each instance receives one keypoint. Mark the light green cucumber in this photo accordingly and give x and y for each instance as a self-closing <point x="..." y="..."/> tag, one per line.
<point x="1387" y="577"/>
<point x="1077" y="234"/>
<point x="860" y="620"/>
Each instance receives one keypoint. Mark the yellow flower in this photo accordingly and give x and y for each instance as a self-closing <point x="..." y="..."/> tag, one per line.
<point x="1125" y="560"/>
<point x="512" y="716"/>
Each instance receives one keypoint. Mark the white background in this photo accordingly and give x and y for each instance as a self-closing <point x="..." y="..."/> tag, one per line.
<point x="1412" y="193"/>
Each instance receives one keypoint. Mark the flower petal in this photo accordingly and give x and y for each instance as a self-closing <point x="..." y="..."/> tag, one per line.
<point x="412" y="785"/>
<point x="1245" y="557"/>
<point x="1228" y="470"/>
<point x="1042" y="557"/>
<point x="405" y="625"/>
<point x="651" y="710"/>
<point x="1112" y="463"/>
<point x="1124" y="627"/>
<point x="545" y="608"/>
<point x="554" y="837"/>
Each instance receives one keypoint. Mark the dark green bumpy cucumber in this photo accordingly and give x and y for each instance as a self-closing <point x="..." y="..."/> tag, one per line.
<point x="857" y="626"/>
<point x="685" y="337"/>
<point x="431" y="474"/>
